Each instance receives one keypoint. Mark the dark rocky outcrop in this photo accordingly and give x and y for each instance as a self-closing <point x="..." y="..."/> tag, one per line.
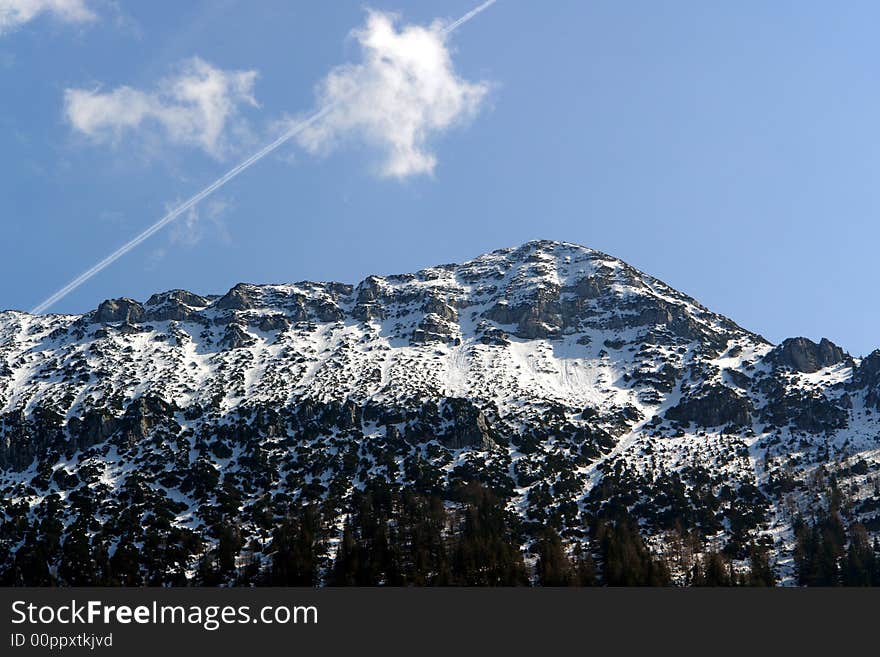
<point x="327" y="311"/>
<point x="175" y="305"/>
<point x="867" y="377"/>
<point x="589" y="287"/>
<point x="810" y="412"/>
<point x="804" y="355"/>
<point x="240" y="297"/>
<point x="469" y="427"/>
<point x="178" y="296"/>
<point x="127" y="328"/>
<point x="235" y="337"/>
<point x="368" y="304"/>
<point x="95" y="426"/>
<point x="540" y="317"/>
<point x="713" y="406"/>
<point x="269" y="323"/>
<point x="739" y="379"/>
<point x="141" y="416"/>
<point x="311" y="414"/>
<point x="432" y="328"/>
<point x="662" y="380"/>
<point x="24" y="438"/>
<point x="119" y="310"/>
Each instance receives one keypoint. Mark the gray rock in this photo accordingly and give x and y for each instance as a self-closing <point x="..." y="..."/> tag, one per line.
<point x="179" y="297"/>
<point x="590" y="287"/>
<point x="539" y="317"/>
<point x="469" y="427"/>
<point x="432" y="328"/>
<point x="867" y="376"/>
<point x="127" y="328"/>
<point x="141" y="416"/>
<point x="368" y="304"/>
<point x="119" y="310"/>
<point x="327" y="311"/>
<point x="804" y="355"/>
<point x="435" y="306"/>
<point x="713" y="406"/>
<point x="240" y="297"/>
<point x="270" y="323"/>
<point x="96" y="426"/>
<point x="175" y="305"/>
<point x="236" y="337"/>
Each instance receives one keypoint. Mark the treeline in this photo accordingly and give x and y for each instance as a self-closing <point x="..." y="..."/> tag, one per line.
<point x="387" y="535"/>
<point x="406" y="538"/>
<point x="390" y="536"/>
<point x="828" y="553"/>
<point x="402" y="539"/>
<point x="395" y="537"/>
<point x="716" y="569"/>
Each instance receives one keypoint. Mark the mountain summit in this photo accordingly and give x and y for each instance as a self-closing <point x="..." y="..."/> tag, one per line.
<point x="577" y="391"/>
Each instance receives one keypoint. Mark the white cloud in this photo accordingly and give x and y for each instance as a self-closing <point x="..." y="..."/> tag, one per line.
<point x="403" y="92"/>
<point x="198" y="107"/>
<point x="15" y="13"/>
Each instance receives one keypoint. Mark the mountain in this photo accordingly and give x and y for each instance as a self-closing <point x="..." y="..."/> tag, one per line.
<point x="546" y="409"/>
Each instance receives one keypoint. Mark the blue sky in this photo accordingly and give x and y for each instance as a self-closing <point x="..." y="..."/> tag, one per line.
<point x="729" y="149"/>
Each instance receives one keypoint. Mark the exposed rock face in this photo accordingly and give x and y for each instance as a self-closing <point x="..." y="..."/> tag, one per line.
<point x="141" y="417"/>
<point x="236" y="337"/>
<point x="714" y="407"/>
<point x="176" y="305"/>
<point x="274" y="323"/>
<point x="804" y="355"/>
<point x="538" y="317"/>
<point x="119" y="310"/>
<point x="810" y="412"/>
<point x="178" y="296"/>
<point x="240" y="297"/>
<point x="589" y="287"/>
<point x="433" y="328"/>
<point x="96" y="426"/>
<point x="326" y="311"/>
<point x="469" y="429"/>
<point x="867" y="377"/>
<point x="368" y="304"/>
<point x="25" y="438"/>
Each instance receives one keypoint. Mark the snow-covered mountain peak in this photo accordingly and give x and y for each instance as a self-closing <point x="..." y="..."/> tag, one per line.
<point x="565" y="377"/>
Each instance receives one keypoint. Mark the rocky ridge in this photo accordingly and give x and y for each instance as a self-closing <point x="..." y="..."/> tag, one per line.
<point x="563" y="378"/>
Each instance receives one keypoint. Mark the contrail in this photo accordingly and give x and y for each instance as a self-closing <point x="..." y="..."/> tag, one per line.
<point x="214" y="186"/>
<point x="176" y="212"/>
<point x="464" y="19"/>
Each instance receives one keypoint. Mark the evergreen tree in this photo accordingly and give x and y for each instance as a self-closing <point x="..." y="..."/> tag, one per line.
<point x="78" y="567"/>
<point x="486" y="553"/>
<point x="760" y="571"/>
<point x="859" y="565"/>
<point x="553" y="567"/>
<point x="712" y="570"/>
<point x="626" y="560"/>
<point x="298" y="548"/>
<point x="819" y="549"/>
<point x="584" y="567"/>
